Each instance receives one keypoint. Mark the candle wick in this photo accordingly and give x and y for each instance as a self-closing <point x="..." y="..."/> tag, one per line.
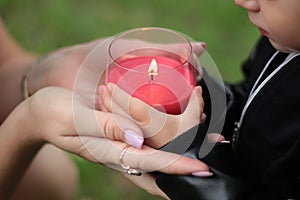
<point x="152" y="77"/>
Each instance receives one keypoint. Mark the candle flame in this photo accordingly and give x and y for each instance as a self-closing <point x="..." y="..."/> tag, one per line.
<point x="152" y="70"/>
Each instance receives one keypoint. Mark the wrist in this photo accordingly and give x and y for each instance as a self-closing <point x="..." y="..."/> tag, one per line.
<point x="27" y="129"/>
<point x="19" y="146"/>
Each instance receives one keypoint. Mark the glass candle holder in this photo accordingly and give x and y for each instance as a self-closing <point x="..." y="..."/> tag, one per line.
<point x="155" y="65"/>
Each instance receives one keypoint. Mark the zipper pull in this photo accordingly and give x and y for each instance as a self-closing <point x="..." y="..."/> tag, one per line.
<point x="235" y="136"/>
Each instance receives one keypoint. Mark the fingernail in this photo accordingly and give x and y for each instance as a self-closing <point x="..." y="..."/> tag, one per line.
<point x="202" y="44"/>
<point x="203" y="117"/>
<point x="199" y="90"/>
<point x="134" y="139"/>
<point x="202" y="174"/>
<point x="225" y="141"/>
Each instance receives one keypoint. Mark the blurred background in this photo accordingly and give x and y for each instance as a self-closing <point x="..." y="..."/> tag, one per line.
<point x="43" y="26"/>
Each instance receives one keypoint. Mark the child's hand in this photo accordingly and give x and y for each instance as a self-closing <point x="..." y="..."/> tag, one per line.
<point x="158" y="128"/>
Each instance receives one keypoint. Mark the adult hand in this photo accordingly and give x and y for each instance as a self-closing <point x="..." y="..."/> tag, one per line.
<point x="59" y="68"/>
<point x="54" y="110"/>
<point x="100" y="142"/>
<point x="48" y="117"/>
<point x="147" y="181"/>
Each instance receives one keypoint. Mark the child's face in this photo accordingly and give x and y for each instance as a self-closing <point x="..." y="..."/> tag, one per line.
<point x="276" y="19"/>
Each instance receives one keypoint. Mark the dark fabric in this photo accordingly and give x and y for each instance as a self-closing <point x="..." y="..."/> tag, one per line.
<point x="268" y="149"/>
<point x="223" y="185"/>
<point x="268" y="146"/>
<point x="279" y="58"/>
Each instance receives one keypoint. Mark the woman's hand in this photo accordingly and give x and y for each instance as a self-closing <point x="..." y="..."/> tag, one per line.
<point x="158" y="128"/>
<point x="49" y="117"/>
<point x="59" y="68"/>
<point x="92" y="142"/>
<point x="54" y="108"/>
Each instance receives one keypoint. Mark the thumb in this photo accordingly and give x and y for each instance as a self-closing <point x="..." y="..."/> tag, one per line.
<point x="193" y="112"/>
<point x="116" y="127"/>
<point x="195" y="104"/>
<point x="95" y="123"/>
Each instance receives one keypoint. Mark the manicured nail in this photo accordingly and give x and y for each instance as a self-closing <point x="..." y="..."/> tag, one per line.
<point x="225" y="141"/>
<point x="202" y="174"/>
<point x="202" y="44"/>
<point x="134" y="139"/>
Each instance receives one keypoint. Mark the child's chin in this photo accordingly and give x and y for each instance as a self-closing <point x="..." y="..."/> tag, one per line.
<point x="282" y="48"/>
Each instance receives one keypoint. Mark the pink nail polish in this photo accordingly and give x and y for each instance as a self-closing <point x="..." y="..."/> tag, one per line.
<point x="134" y="139"/>
<point x="225" y="142"/>
<point x="202" y="44"/>
<point x="202" y="174"/>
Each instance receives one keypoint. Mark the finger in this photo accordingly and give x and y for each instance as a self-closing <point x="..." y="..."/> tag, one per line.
<point x="196" y="103"/>
<point x="108" y="103"/>
<point x="149" y="159"/>
<point x="193" y="112"/>
<point x="88" y="122"/>
<point x="198" y="48"/>
<point x="203" y="118"/>
<point x="136" y="108"/>
<point x="215" y="137"/>
<point x="99" y="103"/>
<point x="194" y="109"/>
<point x="145" y="159"/>
<point x="148" y="118"/>
<point x="102" y="107"/>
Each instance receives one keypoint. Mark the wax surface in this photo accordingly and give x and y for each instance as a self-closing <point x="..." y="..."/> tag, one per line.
<point x="158" y="96"/>
<point x="169" y="90"/>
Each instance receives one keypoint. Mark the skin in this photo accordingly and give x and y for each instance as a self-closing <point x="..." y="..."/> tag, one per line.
<point x="28" y="148"/>
<point x="14" y="62"/>
<point x="113" y="99"/>
<point x="56" y="126"/>
<point x="276" y="19"/>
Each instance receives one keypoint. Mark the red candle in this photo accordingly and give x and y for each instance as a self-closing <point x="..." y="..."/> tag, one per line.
<point x="162" y="82"/>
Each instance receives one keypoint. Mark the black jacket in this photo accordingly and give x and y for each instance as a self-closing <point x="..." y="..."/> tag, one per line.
<point x="268" y="146"/>
<point x="267" y="152"/>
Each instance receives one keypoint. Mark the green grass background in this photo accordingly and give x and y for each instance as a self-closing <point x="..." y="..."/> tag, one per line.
<point x="44" y="25"/>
